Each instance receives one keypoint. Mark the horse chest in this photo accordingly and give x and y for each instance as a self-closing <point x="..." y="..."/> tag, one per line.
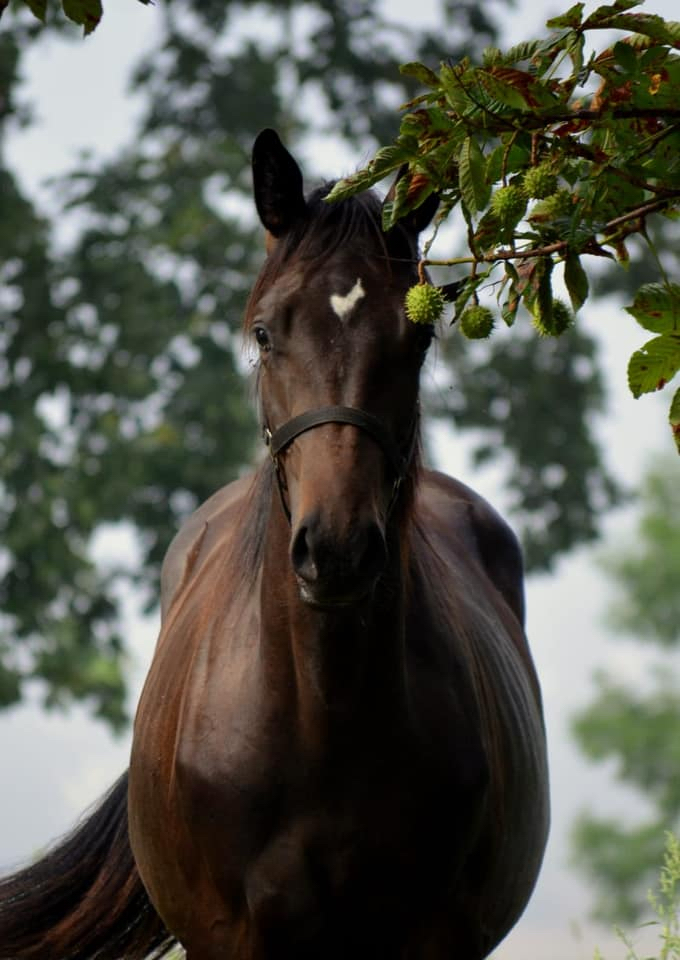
<point x="347" y="838"/>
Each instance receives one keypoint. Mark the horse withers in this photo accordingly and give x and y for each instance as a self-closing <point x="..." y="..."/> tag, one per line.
<point x="339" y="750"/>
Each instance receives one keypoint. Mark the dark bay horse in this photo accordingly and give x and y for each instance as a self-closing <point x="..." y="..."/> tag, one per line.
<point x="339" y="750"/>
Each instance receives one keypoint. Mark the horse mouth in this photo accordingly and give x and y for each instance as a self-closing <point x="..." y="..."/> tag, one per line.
<point x="331" y="596"/>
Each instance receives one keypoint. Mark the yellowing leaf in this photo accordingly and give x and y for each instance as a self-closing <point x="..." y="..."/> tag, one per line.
<point x="674" y="418"/>
<point x="651" y="367"/>
<point x="656" y="307"/>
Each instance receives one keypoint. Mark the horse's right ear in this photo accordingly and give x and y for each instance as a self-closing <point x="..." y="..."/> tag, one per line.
<point x="277" y="184"/>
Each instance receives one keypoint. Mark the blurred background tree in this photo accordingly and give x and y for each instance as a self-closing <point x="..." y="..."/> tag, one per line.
<point x="636" y="727"/>
<point x="122" y="379"/>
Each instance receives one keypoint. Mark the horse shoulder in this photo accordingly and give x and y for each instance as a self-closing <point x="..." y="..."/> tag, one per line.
<point x="468" y="518"/>
<point x="185" y="548"/>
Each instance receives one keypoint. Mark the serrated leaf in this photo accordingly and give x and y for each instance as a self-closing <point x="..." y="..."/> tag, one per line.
<point x="574" y="47"/>
<point x="488" y="232"/>
<point x="420" y="72"/>
<point x="468" y="289"/>
<point x="87" y="13"/>
<point x="474" y="189"/>
<point x="674" y="418"/>
<point x="657" y="362"/>
<point x="648" y="24"/>
<point x="522" y="51"/>
<point x="534" y="285"/>
<point x="511" y="305"/>
<point x="38" y="8"/>
<point x="385" y="161"/>
<point x="502" y="89"/>
<point x="656" y="307"/>
<point x="454" y="83"/>
<point x="541" y="304"/>
<point x="396" y="203"/>
<point x="572" y="18"/>
<point x="576" y="281"/>
<point x="625" y="56"/>
<point x="602" y="15"/>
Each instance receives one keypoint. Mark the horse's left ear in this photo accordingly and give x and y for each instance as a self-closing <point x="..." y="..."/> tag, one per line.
<point x="277" y="184"/>
<point x="418" y="219"/>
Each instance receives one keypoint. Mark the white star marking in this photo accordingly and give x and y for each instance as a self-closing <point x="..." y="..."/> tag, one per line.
<point x="343" y="306"/>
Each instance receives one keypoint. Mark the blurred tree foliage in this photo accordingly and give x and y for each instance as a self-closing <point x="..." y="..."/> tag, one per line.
<point x="121" y="371"/>
<point x="638" y="727"/>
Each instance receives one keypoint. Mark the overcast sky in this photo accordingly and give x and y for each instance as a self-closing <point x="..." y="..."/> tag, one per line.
<point x="54" y="766"/>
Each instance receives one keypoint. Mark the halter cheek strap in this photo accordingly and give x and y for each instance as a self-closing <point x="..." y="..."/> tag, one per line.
<point x="284" y="436"/>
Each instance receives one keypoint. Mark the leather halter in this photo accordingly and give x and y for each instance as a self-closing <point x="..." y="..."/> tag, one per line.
<point x="283" y="436"/>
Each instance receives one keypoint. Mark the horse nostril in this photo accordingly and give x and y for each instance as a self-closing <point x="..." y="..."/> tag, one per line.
<point x="335" y="566"/>
<point x="301" y="555"/>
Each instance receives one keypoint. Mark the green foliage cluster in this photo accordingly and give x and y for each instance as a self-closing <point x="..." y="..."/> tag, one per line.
<point x="552" y="153"/>
<point x="86" y="13"/>
<point x="665" y="903"/>
<point x="638" y="726"/>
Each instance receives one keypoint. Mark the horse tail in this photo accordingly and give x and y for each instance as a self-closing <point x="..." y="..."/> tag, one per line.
<point x="84" y="900"/>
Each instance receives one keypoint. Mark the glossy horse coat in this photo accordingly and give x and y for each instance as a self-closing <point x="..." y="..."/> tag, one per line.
<point x="339" y="750"/>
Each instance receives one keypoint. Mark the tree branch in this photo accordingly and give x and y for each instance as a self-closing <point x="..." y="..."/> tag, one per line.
<point x="653" y="206"/>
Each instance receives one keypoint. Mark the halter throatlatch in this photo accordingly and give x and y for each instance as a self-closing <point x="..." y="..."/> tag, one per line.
<point x="284" y="436"/>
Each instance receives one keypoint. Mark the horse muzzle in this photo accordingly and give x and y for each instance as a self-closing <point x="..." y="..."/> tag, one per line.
<point x="335" y="571"/>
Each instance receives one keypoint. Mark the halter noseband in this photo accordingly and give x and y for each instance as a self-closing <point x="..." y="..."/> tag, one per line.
<point x="282" y="437"/>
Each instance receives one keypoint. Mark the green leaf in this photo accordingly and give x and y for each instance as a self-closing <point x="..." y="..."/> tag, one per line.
<point x="572" y="18"/>
<point x="542" y="303"/>
<point x="385" y="161"/>
<point x="498" y="83"/>
<point x="510" y="306"/>
<point x="625" y="56"/>
<point x="674" y="418"/>
<point x="534" y="285"/>
<point x="38" y="8"/>
<point x="87" y="13"/>
<point x="522" y="51"/>
<point x="656" y="307"/>
<point x="453" y="80"/>
<point x="647" y="24"/>
<point x="474" y="189"/>
<point x="657" y="362"/>
<point x="420" y="72"/>
<point x="396" y="205"/>
<point x="576" y="280"/>
<point x="602" y="16"/>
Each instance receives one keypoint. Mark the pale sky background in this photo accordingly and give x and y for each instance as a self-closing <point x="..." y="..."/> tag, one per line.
<point x="54" y="765"/>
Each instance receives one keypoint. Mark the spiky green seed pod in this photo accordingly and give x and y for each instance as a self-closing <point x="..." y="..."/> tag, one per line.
<point x="424" y="303"/>
<point x="508" y="204"/>
<point x="476" y="322"/>
<point x="539" y="182"/>
<point x="560" y="204"/>
<point x="555" y="322"/>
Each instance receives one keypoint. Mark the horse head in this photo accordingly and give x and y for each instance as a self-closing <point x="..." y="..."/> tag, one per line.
<point x="338" y="372"/>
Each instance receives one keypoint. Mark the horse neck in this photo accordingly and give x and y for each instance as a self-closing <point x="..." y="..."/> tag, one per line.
<point x="342" y="663"/>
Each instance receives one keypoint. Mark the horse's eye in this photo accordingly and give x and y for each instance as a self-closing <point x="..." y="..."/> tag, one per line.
<point x="262" y="338"/>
